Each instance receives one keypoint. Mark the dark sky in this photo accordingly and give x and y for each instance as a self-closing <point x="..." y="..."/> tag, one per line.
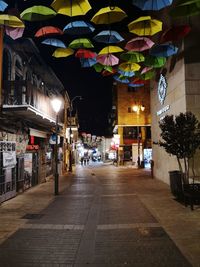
<point x="95" y="89"/>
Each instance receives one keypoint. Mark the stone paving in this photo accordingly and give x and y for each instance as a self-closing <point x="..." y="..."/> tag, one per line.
<point x="104" y="216"/>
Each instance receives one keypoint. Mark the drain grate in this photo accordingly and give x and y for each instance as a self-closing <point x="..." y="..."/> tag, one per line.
<point x="32" y="216"/>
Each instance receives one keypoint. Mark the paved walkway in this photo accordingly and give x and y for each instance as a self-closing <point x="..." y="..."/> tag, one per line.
<point x="104" y="216"/>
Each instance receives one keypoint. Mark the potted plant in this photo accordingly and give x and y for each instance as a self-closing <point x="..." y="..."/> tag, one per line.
<point x="181" y="138"/>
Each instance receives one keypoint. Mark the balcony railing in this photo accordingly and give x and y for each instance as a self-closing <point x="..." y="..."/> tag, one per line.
<point x="23" y="93"/>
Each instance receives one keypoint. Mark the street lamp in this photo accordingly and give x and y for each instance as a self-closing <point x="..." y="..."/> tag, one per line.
<point x="70" y="129"/>
<point x="56" y="104"/>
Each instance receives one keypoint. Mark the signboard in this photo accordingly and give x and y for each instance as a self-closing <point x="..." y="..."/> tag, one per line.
<point x="9" y="159"/>
<point x="162" y="89"/>
<point x="52" y="139"/>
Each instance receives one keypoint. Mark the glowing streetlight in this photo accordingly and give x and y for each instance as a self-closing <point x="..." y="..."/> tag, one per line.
<point x="56" y="104"/>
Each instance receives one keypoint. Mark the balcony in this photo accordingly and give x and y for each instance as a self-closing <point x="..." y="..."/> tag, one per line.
<point x="23" y="99"/>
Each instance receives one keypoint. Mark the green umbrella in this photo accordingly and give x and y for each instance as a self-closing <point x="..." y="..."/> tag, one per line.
<point x="81" y="43"/>
<point x="156" y="62"/>
<point x="98" y="67"/>
<point x="146" y="76"/>
<point x="132" y="57"/>
<point x="186" y="9"/>
<point x="37" y="13"/>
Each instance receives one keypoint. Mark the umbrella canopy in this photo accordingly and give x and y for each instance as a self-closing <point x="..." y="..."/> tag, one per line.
<point x="163" y="50"/>
<point x="156" y="62"/>
<point x="78" y="27"/>
<point x="147" y="75"/>
<point x="98" y="67"/>
<point x="81" y="43"/>
<point x="186" y="9"/>
<point x="146" y="69"/>
<point x="85" y="53"/>
<point x="108" y="72"/>
<point x="48" y="30"/>
<point x="152" y="4"/>
<point x="3" y="5"/>
<point x="110" y="49"/>
<point x="121" y="79"/>
<point x="139" y="44"/>
<point x="63" y="52"/>
<point x="108" y="60"/>
<point x="14" y="33"/>
<point x="108" y="15"/>
<point x="87" y="62"/>
<point x="54" y="42"/>
<point x="145" y="26"/>
<point x="132" y="57"/>
<point x="175" y="33"/>
<point x="135" y="85"/>
<point x="11" y="21"/>
<point x="37" y="13"/>
<point x="71" y="8"/>
<point x="108" y="37"/>
<point x="126" y="73"/>
<point x="129" y="66"/>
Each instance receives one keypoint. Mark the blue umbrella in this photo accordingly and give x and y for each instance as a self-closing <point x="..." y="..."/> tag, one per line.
<point x="78" y="27"/>
<point x="87" y="62"/>
<point x="54" y="42"/>
<point x="121" y="79"/>
<point x="135" y="85"/>
<point x="163" y="50"/>
<point x="3" y="5"/>
<point x="108" y="37"/>
<point x="152" y="4"/>
<point x="126" y="73"/>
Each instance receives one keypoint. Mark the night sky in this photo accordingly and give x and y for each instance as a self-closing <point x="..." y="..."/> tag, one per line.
<point x="96" y="90"/>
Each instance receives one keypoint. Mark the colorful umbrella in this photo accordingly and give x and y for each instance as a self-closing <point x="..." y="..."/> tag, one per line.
<point x="11" y="21"/>
<point x="54" y="42"/>
<point x="147" y="75"/>
<point x="108" y="37"/>
<point x="186" y="9"/>
<point x="129" y="66"/>
<point x="108" y="15"/>
<point x="146" y="69"/>
<point x="156" y="62"/>
<point x="87" y="62"/>
<point x="121" y="79"/>
<point x="71" y="7"/>
<point x="3" y="6"/>
<point x="135" y="85"/>
<point x="132" y="57"/>
<point x="85" y="53"/>
<point x="139" y="44"/>
<point x="152" y="4"/>
<point x="163" y="50"/>
<point x="108" y="60"/>
<point x="14" y="33"/>
<point x="48" y="30"/>
<point x="81" y="43"/>
<point x="145" y="26"/>
<point x="98" y="67"/>
<point x="126" y="73"/>
<point x="78" y="27"/>
<point x="108" y="72"/>
<point x="175" y="33"/>
<point x="110" y="49"/>
<point x="37" y="13"/>
<point x="63" y="52"/>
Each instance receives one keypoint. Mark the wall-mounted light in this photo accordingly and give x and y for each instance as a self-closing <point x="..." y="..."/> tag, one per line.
<point x="138" y="107"/>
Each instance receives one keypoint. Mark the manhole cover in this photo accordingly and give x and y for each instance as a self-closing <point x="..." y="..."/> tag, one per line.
<point x="31" y="216"/>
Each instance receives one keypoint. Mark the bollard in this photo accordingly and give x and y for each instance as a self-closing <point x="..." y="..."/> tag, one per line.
<point x="152" y="166"/>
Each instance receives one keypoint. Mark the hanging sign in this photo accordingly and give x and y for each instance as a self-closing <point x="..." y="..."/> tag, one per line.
<point x="162" y="89"/>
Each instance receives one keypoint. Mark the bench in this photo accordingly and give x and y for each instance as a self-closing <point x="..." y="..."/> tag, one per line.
<point x="191" y="194"/>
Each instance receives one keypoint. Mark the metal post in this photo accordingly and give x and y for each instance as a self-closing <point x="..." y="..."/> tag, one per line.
<point x="138" y="137"/>
<point x="56" y="191"/>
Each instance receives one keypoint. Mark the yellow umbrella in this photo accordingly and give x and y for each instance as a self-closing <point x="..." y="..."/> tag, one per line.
<point x="129" y="66"/>
<point x="11" y="21"/>
<point x="145" y="26"/>
<point x="108" y="15"/>
<point x="63" y="52"/>
<point x="71" y="7"/>
<point x="110" y="49"/>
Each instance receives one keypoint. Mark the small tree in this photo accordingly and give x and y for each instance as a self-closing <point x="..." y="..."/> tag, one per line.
<point x="181" y="135"/>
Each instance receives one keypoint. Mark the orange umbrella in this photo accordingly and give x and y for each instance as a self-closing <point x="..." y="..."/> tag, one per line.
<point x="48" y="30"/>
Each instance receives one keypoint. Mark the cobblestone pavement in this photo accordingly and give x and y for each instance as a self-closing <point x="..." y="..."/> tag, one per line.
<point x="104" y="216"/>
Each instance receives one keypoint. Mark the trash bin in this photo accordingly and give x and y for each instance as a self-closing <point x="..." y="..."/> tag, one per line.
<point x="176" y="184"/>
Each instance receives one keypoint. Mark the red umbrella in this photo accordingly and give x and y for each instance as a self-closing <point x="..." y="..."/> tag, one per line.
<point x="48" y="30"/>
<point x="175" y="33"/>
<point x="85" y="53"/>
<point x="108" y="73"/>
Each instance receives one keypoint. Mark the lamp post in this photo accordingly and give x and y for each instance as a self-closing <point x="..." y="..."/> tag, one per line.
<point x="56" y="104"/>
<point x="70" y="129"/>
